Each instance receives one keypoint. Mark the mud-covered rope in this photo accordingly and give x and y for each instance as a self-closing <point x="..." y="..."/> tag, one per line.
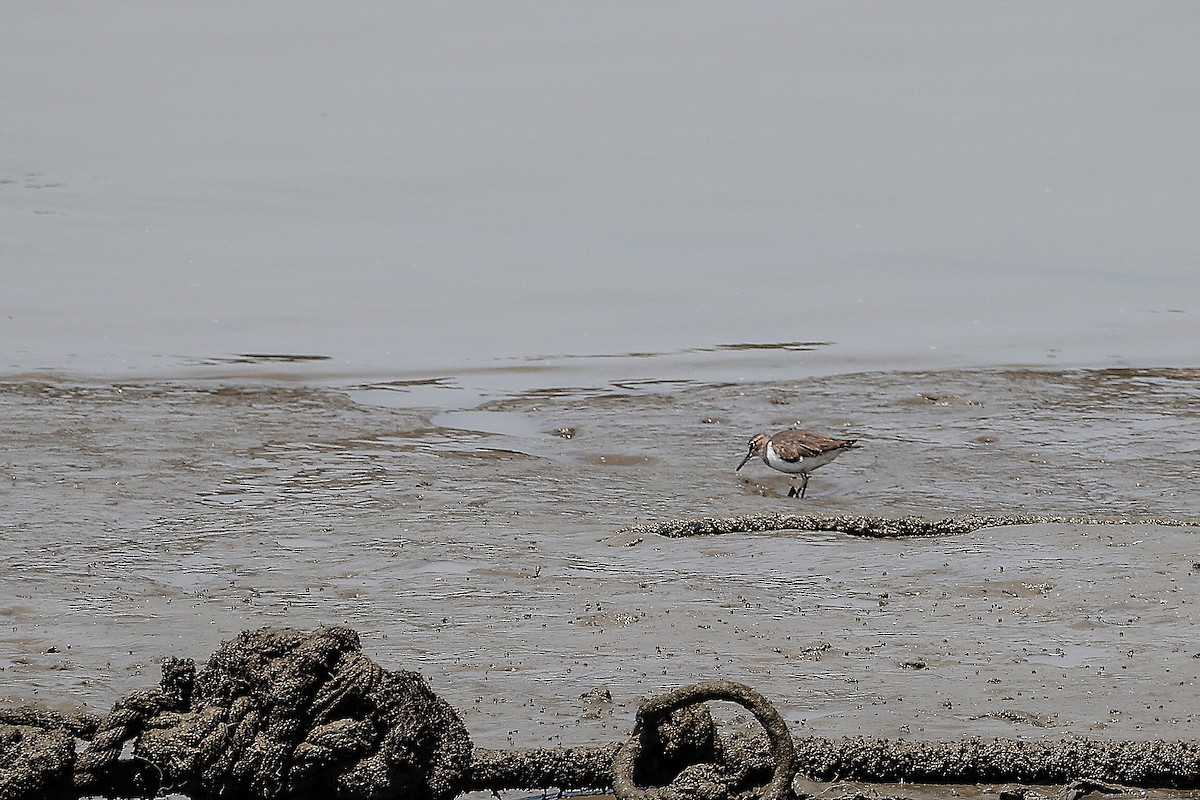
<point x="1173" y="764"/>
<point x="877" y="527"/>
<point x="83" y="726"/>
<point x="275" y="715"/>
<point x="35" y="762"/>
<point x="540" y="768"/>
<point x="656" y="710"/>
<point x="281" y="715"/>
<point x="1155" y="763"/>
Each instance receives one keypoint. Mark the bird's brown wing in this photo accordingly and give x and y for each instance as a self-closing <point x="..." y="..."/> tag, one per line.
<point x="795" y="445"/>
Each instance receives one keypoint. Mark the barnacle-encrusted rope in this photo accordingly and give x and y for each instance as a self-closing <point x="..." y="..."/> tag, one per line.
<point x="877" y="527"/>
<point x="282" y="715"/>
<point x="1150" y="763"/>
<point x="275" y="715"/>
<point x="37" y="753"/>
<point x="1157" y="762"/>
<point x="655" y="711"/>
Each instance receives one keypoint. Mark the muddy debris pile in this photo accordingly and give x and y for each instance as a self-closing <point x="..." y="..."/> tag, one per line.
<point x="274" y="714"/>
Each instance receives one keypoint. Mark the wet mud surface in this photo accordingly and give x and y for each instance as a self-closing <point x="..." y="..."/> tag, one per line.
<point x="488" y="547"/>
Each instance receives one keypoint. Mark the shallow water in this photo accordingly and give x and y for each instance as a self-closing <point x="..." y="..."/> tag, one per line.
<point x="433" y="189"/>
<point x="483" y="547"/>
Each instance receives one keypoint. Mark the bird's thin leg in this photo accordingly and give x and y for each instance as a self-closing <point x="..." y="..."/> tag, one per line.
<point x="803" y="484"/>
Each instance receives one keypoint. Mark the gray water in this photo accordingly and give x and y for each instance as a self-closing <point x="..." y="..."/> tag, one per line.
<point x="393" y="315"/>
<point x="427" y="187"/>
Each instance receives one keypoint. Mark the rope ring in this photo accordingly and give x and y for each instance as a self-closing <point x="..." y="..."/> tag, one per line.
<point x="782" y="747"/>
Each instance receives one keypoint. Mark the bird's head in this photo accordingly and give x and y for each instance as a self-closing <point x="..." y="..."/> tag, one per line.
<point x="758" y="447"/>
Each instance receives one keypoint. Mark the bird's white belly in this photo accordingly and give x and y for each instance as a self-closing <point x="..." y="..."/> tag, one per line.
<point x="806" y="464"/>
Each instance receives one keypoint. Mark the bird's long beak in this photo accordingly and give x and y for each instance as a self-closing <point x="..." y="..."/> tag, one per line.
<point x="749" y="456"/>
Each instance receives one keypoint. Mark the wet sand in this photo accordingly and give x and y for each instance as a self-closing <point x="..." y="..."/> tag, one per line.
<point x="484" y="547"/>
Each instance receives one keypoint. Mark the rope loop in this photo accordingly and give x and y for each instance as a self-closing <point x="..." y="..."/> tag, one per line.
<point x="674" y="713"/>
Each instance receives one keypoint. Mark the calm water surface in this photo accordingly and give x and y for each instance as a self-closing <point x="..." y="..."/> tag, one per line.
<point x="435" y="188"/>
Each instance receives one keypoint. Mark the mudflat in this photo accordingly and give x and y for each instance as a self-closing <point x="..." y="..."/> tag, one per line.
<point x="489" y="548"/>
